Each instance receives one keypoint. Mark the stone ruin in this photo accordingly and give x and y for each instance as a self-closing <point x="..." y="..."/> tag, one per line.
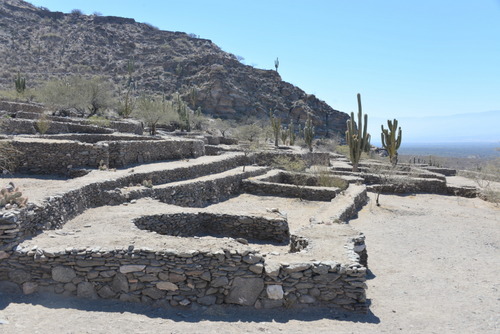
<point x="322" y="263"/>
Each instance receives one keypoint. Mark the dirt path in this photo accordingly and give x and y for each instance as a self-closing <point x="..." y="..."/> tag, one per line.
<point x="434" y="263"/>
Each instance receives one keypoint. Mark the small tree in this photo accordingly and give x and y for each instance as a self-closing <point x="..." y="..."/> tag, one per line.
<point x="97" y="93"/>
<point x="249" y="136"/>
<point x="309" y="134"/>
<point x="223" y="126"/>
<point x="154" y="110"/>
<point x="92" y="95"/>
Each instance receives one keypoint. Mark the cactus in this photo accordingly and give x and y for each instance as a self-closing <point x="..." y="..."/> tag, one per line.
<point x="12" y="195"/>
<point x="291" y="133"/>
<point x="276" y="126"/>
<point x="284" y="135"/>
<point x="389" y="140"/>
<point x="276" y="64"/>
<point x="357" y="137"/>
<point x="183" y="112"/>
<point x="309" y="134"/>
<point x="20" y="83"/>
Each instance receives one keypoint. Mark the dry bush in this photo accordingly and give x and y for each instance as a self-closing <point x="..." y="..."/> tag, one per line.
<point x="325" y="179"/>
<point x="42" y="124"/>
<point x="391" y="176"/>
<point x="8" y="157"/>
<point x="488" y="181"/>
<point x="290" y="164"/>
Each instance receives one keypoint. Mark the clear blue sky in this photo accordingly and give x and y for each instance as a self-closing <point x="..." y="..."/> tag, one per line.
<point x="406" y="58"/>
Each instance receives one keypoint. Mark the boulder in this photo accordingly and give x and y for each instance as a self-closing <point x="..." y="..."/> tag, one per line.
<point x="86" y="290"/>
<point x="63" y="274"/>
<point x="245" y="291"/>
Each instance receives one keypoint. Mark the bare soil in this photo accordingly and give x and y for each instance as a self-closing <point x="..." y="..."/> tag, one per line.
<point x="433" y="269"/>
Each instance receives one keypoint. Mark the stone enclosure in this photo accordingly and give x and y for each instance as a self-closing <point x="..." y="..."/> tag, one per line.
<point x="226" y="264"/>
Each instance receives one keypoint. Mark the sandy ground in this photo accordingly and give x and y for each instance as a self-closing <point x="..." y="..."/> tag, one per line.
<point x="433" y="260"/>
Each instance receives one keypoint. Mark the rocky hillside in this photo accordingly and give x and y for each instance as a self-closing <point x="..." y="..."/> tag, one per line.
<point x="42" y="44"/>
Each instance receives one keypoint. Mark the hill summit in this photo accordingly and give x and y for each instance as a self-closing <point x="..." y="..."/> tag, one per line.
<point x="44" y="45"/>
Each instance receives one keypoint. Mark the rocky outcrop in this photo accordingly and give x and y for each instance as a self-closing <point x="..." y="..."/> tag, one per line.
<point x="44" y="45"/>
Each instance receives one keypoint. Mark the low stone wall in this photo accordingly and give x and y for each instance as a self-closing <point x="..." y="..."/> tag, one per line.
<point x="124" y="153"/>
<point x="45" y="156"/>
<point x="204" y="223"/>
<point x="268" y="184"/>
<point x="15" y="225"/>
<point x="120" y="126"/>
<point x="14" y="126"/>
<point x="95" y="138"/>
<point x="174" y="278"/>
<point x="218" y="140"/>
<point x="270" y="158"/>
<point x="13" y="107"/>
<point x="409" y="184"/>
<point x="441" y="170"/>
<point x="193" y="193"/>
<point x="350" y="208"/>
<point x="38" y="157"/>
<point x="17" y="126"/>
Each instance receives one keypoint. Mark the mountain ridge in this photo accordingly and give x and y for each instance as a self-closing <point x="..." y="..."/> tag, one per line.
<point x="43" y="45"/>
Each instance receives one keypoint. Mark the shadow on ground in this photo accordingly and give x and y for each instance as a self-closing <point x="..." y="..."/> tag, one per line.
<point x="178" y="314"/>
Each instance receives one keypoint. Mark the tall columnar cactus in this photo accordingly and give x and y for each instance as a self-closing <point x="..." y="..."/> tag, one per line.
<point x="309" y="134"/>
<point x="20" y="83"/>
<point x="276" y="64"/>
<point x="357" y="137"/>
<point x="389" y="140"/>
<point x="291" y="133"/>
<point x="284" y="135"/>
<point x="276" y="126"/>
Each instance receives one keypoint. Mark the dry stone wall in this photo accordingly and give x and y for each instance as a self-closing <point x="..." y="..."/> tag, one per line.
<point x="13" y="107"/>
<point x="38" y="157"/>
<point x="60" y="157"/>
<point x="95" y="138"/>
<point x="120" y="126"/>
<point x="168" y="277"/>
<point x="268" y="184"/>
<point x="15" y="225"/>
<point x="123" y="153"/>
<point x="14" y="126"/>
<point x="310" y="158"/>
<point x="204" y="223"/>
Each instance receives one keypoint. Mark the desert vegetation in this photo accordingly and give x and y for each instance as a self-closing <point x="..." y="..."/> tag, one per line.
<point x="357" y="137"/>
